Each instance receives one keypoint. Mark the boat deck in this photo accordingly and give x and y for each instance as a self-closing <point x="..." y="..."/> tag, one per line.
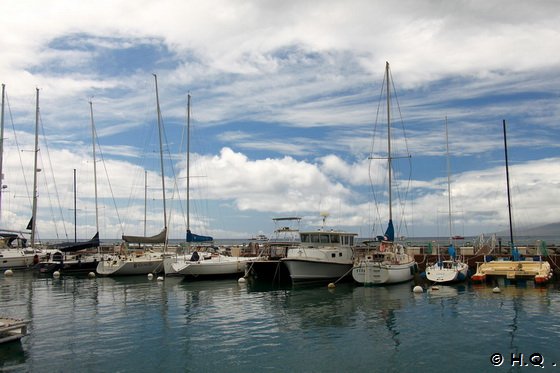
<point x="539" y="270"/>
<point x="12" y="329"/>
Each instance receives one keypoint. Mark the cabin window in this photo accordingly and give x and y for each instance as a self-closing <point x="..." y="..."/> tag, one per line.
<point x="335" y="238"/>
<point x="324" y="238"/>
<point x="333" y="255"/>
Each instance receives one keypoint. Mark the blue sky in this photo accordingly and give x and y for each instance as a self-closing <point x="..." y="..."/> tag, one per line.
<point x="284" y="102"/>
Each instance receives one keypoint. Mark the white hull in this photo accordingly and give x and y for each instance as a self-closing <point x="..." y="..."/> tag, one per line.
<point x="14" y="258"/>
<point x="379" y="273"/>
<point x="127" y="266"/>
<point x="215" y="266"/>
<point x="302" y="270"/>
<point x="447" y="272"/>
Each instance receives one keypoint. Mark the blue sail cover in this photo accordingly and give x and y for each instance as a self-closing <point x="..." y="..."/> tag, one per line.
<point x="515" y="254"/>
<point x="451" y="251"/>
<point x="191" y="237"/>
<point x="389" y="233"/>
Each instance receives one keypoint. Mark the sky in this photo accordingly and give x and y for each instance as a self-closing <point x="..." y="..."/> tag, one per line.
<point x="286" y="115"/>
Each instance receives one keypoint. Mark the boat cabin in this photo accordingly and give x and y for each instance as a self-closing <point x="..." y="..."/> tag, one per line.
<point x="331" y="238"/>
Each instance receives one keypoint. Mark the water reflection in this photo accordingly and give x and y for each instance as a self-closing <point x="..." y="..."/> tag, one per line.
<point x="137" y="324"/>
<point x="12" y="356"/>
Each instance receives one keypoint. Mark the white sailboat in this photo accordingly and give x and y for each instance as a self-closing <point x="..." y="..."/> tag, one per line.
<point x="203" y="264"/>
<point x="452" y="269"/>
<point x="15" y="253"/>
<point x="388" y="263"/>
<point x="147" y="261"/>
<point x="321" y="256"/>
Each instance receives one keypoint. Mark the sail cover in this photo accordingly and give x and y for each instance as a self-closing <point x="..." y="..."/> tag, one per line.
<point x="451" y="251"/>
<point x="68" y="247"/>
<point x="389" y="233"/>
<point x="191" y="237"/>
<point x="158" y="238"/>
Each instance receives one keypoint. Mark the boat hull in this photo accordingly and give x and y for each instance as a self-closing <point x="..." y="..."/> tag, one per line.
<point x="310" y="270"/>
<point x="130" y="266"/>
<point x="378" y="273"/>
<point x="219" y="266"/>
<point x="274" y="271"/>
<point x="17" y="259"/>
<point x="445" y="274"/>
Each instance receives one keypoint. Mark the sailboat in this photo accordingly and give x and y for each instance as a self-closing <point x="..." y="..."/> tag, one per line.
<point x="15" y="250"/>
<point x="68" y="257"/>
<point x="452" y="269"/>
<point x="389" y="262"/>
<point x="513" y="268"/>
<point x="148" y="261"/>
<point x="204" y="264"/>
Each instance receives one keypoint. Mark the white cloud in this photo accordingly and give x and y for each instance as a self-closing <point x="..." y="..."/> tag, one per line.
<point x="285" y="96"/>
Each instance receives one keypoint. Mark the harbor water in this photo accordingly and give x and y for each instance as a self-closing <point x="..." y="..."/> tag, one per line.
<point x="134" y="324"/>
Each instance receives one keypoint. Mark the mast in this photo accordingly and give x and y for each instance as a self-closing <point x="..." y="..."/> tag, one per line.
<point x="93" y="137"/>
<point x="2" y="148"/>
<point x="145" y="198"/>
<point x="161" y="160"/>
<point x="188" y="159"/>
<point x="448" y="183"/>
<point x="75" y="211"/>
<point x="36" y="150"/>
<point x="508" y="189"/>
<point x="389" y="159"/>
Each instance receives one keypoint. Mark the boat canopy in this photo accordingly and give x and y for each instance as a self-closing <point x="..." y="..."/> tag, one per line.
<point x="158" y="238"/>
<point x="191" y="237"/>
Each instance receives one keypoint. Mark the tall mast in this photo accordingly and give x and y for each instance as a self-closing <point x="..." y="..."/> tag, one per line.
<point x="188" y="159"/>
<point x="93" y="137"/>
<point x="75" y="211"/>
<point x="2" y="148"/>
<point x="145" y="198"/>
<point x="36" y="151"/>
<point x="508" y="189"/>
<point x="448" y="183"/>
<point x="161" y="158"/>
<point x="389" y="159"/>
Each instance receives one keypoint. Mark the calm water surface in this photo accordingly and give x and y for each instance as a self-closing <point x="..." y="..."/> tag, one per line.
<point x="137" y="325"/>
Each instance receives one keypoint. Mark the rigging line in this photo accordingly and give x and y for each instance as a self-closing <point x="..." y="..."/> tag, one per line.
<point x="407" y="152"/>
<point x="371" y="157"/>
<point x="54" y="183"/>
<point x="100" y="153"/>
<point x="174" y="174"/>
<point x="148" y="135"/>
<point x="20" y="151"/>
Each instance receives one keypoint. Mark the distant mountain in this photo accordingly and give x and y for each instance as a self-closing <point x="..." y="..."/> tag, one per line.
<point x="552" y="229"/>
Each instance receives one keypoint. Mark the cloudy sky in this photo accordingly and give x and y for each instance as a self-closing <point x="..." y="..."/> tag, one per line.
<point x="285" y="114"/>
